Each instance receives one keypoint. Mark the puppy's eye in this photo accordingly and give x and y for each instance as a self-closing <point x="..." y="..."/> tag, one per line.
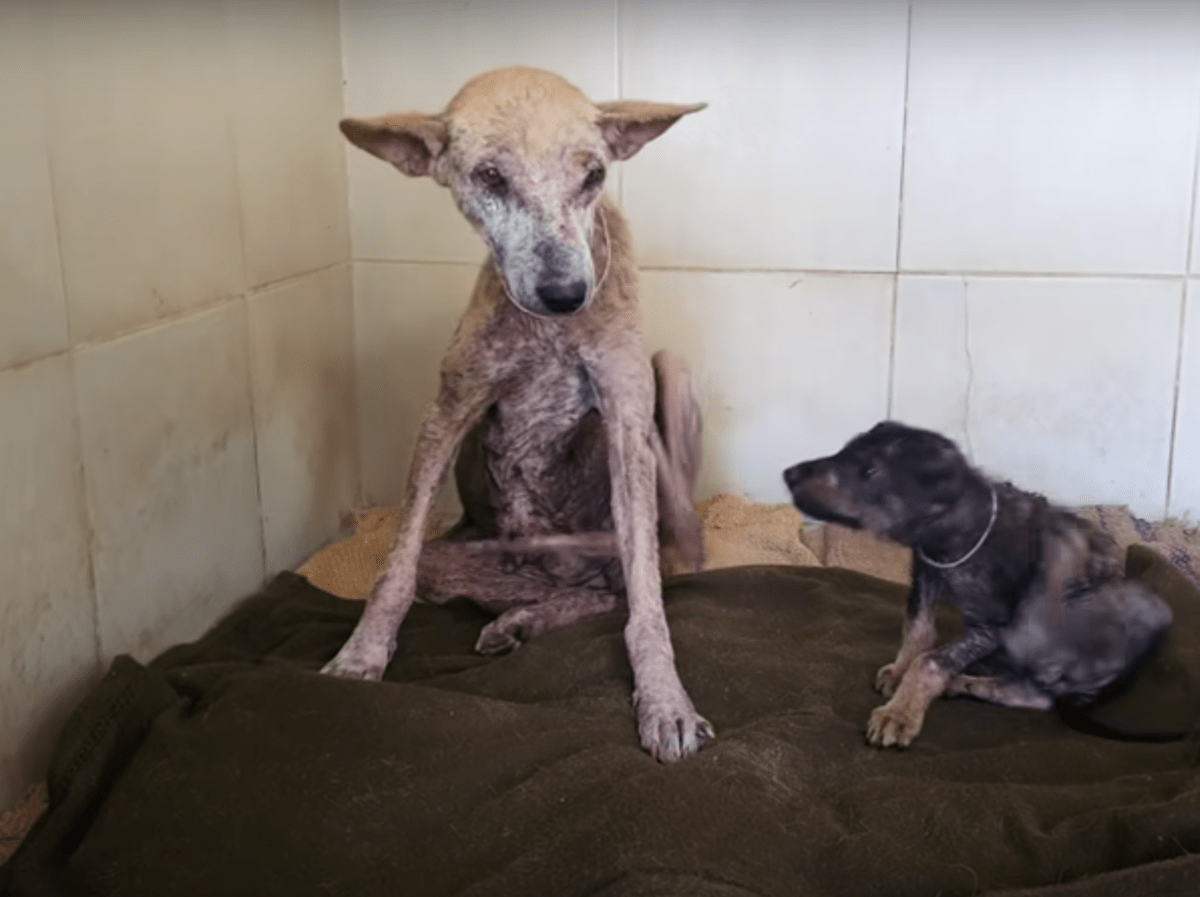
<point x="595" y="177"/>
<point x="871" y="471"/>
<point x="492" y="180"/>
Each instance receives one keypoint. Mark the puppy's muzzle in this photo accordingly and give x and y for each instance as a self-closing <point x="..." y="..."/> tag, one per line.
<point x="562" y="297"/>
<point x="795" y="475"/>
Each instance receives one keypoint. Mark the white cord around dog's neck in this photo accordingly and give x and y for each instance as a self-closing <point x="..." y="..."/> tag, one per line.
<point x="978" y="545"/>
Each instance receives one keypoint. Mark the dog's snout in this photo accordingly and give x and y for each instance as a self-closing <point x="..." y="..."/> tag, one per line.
<point x="796" y="474"/>
<point x="562" y="297"/>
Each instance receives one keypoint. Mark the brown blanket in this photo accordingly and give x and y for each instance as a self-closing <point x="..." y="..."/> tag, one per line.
<point x="230" y="767"/>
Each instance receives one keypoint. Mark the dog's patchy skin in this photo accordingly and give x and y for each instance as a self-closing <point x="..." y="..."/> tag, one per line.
<point x="546" y="388"/>
<point x="1047" y="613"/>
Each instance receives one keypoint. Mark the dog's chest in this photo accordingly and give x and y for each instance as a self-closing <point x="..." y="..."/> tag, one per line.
<point x="539" y="447"/>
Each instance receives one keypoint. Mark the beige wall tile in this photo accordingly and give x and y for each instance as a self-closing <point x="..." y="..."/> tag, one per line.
<point x="415" y="56"/>
<point x="1064" y="385"/>
<point x="787" y="366"/>
<point x="47" y="615"/>
<point x="33" y="313"/>
<point x="1185" y="473"/>
<point x="291" y="164"/>
<point x="141" y="144"/>
<point x="404" y="318"/>
<point x="305" y="411"/>
<point x="1051" y="136"/>
<point x="796" y="161"/>
<point x="169" y="447"/>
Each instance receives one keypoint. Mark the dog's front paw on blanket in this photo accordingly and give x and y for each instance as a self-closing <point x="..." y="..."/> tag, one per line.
<point x="359" y="660"/>
<point x="894" y="725"/>
<point x="671" y="731"/>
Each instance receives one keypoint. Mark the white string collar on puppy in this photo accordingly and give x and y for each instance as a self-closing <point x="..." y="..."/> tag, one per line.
<point x="978" y="545"/>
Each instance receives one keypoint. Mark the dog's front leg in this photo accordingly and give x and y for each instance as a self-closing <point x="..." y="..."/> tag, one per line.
<point x="366" y="654"/>
<point x="668" y="725"/>
<point x="897" y="722"/>
<point x="919" y="633"/>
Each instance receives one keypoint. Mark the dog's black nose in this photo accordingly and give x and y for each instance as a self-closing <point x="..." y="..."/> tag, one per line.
<point x="795" y="474"/>
<point x="562" y="298"/>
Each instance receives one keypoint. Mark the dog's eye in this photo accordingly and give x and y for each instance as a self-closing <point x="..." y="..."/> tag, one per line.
<point x="871" y="471"/>
<point x="594" y="178"/>
<point x="492" y="180"/>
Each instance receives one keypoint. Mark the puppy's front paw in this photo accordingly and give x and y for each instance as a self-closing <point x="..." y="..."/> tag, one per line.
<point x="893" y="726"/>
<point x="671" y="730"/>
<point x="359" y="660"/>
<point x="887" y="679"/>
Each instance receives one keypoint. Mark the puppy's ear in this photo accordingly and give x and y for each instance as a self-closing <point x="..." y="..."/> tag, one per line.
<point x="628" y="125"/>
<point x="409" y="140"/>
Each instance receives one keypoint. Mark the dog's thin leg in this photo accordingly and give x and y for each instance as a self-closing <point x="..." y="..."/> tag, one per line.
<point x="519" y="624"/>
<point x="899" y="720"/>
<point x="919" y="636"/>
<point x="369" y="649"/>
<point x="668" y="724"/>
<point x="995" y="690"/>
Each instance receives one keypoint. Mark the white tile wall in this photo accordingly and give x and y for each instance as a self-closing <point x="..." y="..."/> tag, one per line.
<point x="404" y="315"/>
<point x="796" y="162"/>
<point x="305" y="411"/>
<point x="142" y="150"/>
<point x="290" y="161"/>
<point x="774" y="385"/>
<point x="168" y="444"/>
<point x="1051" y="136"/>
<point x="32" y="309"/>
<point x="415" y="56"/>
<point x="1064" y="385"/>
<point x="1185" y="473"/>
<point x="47" y="620"/>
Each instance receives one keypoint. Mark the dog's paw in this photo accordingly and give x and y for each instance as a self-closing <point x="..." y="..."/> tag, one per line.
<point x="887" y="679"/>
<point x="358" y="660"/>
<point x="671" y="733"/>
<point x="892" y="726"/>
<point x="506" y="633"/>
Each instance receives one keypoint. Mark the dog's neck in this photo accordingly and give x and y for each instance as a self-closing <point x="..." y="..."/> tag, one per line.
<point x="960" y="533"/>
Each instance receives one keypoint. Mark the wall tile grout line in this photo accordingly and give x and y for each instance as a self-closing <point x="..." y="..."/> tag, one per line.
<point x="1181" y="342"/>
<point x="891" y="385"/>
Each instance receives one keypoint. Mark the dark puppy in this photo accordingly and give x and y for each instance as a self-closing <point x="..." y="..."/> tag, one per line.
<point x="1047" y="611"/>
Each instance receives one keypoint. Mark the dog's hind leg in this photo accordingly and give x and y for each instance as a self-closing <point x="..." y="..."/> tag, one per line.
<point x="998" y="690"/>
<point x="519" y="624"/>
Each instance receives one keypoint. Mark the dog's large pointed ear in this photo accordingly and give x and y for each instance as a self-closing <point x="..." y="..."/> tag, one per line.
<point x="409" y="140"/>
<point x="628" y="125"/>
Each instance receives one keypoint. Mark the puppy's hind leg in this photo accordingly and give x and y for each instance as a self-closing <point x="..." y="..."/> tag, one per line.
<point x="998" y="690"/>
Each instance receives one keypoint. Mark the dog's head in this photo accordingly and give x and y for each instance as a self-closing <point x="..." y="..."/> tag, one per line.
<point x="893" y="480"/>
<point x="525" y="155"/>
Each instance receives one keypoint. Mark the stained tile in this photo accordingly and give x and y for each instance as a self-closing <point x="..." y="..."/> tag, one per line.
<point x="168" y="443"/>
<point x="47" y="616"/>
<point x="302" y="351"/>
<point x="796" y="161"/>
<point x="1051" y="137"/>
<point x="142" y="154"/>
<point x="414" y="57"/>
<point x="290" y="157"/>
<point x="1063" y="385"/>
<point x="31" y="297"/>
<point x="787" y="367"/>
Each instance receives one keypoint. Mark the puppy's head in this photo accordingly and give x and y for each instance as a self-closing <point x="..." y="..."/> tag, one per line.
<point x="893" y="480"/>
<point x="525" y="155"/>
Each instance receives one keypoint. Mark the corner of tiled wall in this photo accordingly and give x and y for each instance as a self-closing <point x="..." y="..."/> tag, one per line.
<point x="178" y="410"/>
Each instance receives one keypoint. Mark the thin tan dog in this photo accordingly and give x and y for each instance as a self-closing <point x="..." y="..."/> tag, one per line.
<point x="545" y="392"/>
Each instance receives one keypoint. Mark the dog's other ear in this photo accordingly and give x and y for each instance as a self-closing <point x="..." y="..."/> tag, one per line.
<point x="628" y="125"/>
<point x="409" y="140"/>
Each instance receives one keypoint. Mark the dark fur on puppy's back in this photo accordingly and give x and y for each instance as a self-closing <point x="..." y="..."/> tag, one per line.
<point x="1041" y="592"/>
